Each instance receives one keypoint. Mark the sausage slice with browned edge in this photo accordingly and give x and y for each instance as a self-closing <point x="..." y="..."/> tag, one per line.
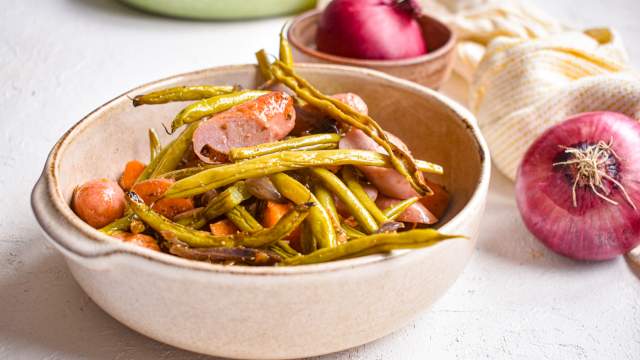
<point x="267" y="118"/>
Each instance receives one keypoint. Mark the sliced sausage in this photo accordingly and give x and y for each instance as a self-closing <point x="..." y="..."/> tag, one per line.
<point x="388" y="181"/>
<point x="353" y="100"/>
<point x="267" y="118"/>
<point x="98" y="202"/>
<point x="416" y="213"/>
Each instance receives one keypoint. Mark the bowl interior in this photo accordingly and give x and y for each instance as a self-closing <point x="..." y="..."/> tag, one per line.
<point x="302" y="34"/>
<point x="99" y="146"/>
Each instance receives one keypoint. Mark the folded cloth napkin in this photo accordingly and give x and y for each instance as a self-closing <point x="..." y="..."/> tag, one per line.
<point x="477" y="22"/>
<point x="523" y="86"/>
<point x="525" y="72"/>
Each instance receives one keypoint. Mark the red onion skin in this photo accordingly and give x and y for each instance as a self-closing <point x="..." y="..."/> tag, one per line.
<point x="371" y="29"/>
<point x="595" y="229"/>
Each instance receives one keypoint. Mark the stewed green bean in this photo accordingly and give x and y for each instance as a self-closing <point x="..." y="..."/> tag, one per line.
<point x="289" y="222"/>
<point x="355" y="207"/>
<point x="263" y="64"/>
<point x="295" y="143"/>
<point x="400" y="159"/>
<point x="154" y="145"/>
<point x="285" y="54"/>
<point x="393" y="211"/>
<point x="308" y="242"/>
<point x="169" y="229"/>
<point x="270" y="164"/>
<point x="351" y="180"/>
<point x="170" y="156"/>
<point x="224" y="202"/>
<point x="281" y="252"/>
<point x="362" y="246"/>
<point x="327" y="146"/>
<point x="284" y="246"/>
<point x="181" y="93"/>
<point x="318" y="222"/>
<point x="186" y="172"/>
<point x="352" y="232"/>
<point x="325" y="198"/>
<point x="121" y="224"/>
<point x="197" y="238"/>
<point x="213" y="105"/>
<point x="245" y="222"/>
<point x="428" y="167"/>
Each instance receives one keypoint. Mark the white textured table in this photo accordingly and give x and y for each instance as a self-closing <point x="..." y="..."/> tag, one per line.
<point x="60" y="59"/>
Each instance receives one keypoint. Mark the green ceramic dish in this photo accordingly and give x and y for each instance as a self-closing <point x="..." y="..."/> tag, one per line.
<point x="222" y="9"/>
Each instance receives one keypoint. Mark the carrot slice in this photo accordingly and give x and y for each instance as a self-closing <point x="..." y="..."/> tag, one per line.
<point x="132" y="171"/>
<point x="223" y="227"/>
<point x="172" y="207"/>
<point x="152" y="190"/>
<point x="273" y="212"/>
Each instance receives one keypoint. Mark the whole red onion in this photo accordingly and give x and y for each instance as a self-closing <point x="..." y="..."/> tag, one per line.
<point x="578" y="186"/>
<point x="371" y="29"/>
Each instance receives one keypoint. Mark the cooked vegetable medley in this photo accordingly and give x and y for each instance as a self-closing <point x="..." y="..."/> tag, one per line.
<point x="268" y="177"/>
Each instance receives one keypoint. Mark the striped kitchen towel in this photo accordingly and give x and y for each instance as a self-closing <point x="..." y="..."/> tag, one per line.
<point x="523" y="86"/>
<point x="478" y="22"/>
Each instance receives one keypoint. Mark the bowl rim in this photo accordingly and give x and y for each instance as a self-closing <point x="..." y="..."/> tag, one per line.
<point x="104" y="246"/>
<point x="380" y="64"/>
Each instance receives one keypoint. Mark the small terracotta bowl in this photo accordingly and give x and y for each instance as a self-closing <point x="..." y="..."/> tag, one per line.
<point x="431" y="69"/>
<point x="265" y="312"/>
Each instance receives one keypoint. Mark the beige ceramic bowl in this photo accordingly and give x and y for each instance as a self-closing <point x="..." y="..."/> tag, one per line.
<point x="431" y="69"/>
<point x="265" y="313"/>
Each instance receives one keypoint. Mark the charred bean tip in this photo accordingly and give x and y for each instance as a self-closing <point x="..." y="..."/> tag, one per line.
<point x="167" y="130"/>
<point x="137" y="100"/>
<point x="304" y="206"/>
<point x="134" y="197"/>
<point x="390" y="226"/>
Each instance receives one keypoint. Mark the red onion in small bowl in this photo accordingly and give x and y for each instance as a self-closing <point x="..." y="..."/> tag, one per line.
<point x="578" y="186"/>
<point x="371" y="29"/>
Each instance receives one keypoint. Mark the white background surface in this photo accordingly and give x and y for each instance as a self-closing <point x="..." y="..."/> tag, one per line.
<point x="59" y="59"/>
